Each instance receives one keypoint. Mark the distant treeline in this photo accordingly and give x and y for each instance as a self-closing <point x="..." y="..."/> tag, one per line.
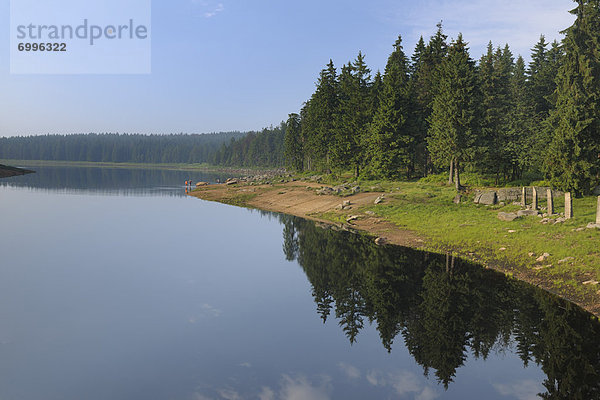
<point x="440" y="109"/>
<point x="243" y="149"/>
<point x="112" y="147"/>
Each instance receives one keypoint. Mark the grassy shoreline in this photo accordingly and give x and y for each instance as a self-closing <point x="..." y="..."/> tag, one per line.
<point x="469" y="230"/>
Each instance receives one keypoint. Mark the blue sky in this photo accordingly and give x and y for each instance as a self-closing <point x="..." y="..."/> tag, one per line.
<point x="220" y="65"/>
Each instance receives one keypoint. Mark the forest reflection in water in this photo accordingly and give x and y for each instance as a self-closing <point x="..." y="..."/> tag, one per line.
<point x="444" y="308"/>
<point x="122" y="181"/>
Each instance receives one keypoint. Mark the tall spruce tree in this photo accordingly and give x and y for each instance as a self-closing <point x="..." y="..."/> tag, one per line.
<point x="488" y="116"/>
<point x="390" y="143"/>
<point x="318" y="118"/>
<point x="426" y="86"/>
<point x="541" y="88"/>
<point x="417" y="58"/>
<point x="573" y="157"/>
<point x="292" y="142"/>
<point x="505" y="65"/>
<point x="541" y="75"/>
<point x="376" y="91"/>
<point x="344" y="141"/>
<point x="495" y="71"/>
<point x="536" y="76"/>
<point x="554" y="59"/>
<point x="452" y="131"/>
<point x="308" y="124"/>
<point x="419" y="107"/>
<point x="354" y="114"/>
<point x="521" y="140"/>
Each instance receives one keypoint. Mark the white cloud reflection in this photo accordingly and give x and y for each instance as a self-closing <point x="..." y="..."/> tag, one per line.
<point x="267" y="394"/>
<point x="521" y="390"/>
<point x="404" y="383"/>
<point x="229" y="394"/>
<point x="351" y="371"/>
<point x="299" y="388"/>
<point x="206" y="311"/>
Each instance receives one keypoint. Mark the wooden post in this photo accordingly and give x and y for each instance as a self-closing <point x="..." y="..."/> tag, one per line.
<point x="568" y="206"/>
<point x="523" y="197"/>
<point x="534" y="200"/>
<point x="598" y="211"/>
<point x="550" y="201"/>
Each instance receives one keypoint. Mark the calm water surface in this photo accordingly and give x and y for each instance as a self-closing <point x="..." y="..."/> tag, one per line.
<point x="115" y="285"/>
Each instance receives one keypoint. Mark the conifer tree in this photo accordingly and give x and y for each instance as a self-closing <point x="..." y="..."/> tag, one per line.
<point x="418" y="57"/>
<point x="318" y="117"/>
<point x="487" y="87"/>
<point x="419" y="109"/>
<point x="293" y="154"/>
<point x="541" y="85"/>
<point x="354" y="114"/>
<point x="344" y="142"/>
<point x="573" y="161"/>
<point x="435" y="52"/>
<point x="390" y="141"/>
<point x="376" y="91"/>
<point x="505" y="65"/>
<point x="495" y="70"/>
<point x="521" y="141"/>
<point x="554" y="60"/>
<point x="424" y="82"/>
<point x="540" y="78"/>
<point x="452" y="131"/>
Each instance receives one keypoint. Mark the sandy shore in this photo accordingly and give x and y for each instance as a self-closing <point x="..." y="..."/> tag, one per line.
<point x="299" y="198"/>
<point x="296" y="199"/>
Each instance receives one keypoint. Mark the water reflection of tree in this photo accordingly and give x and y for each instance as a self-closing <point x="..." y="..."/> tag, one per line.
<point x="107" y="179"/>
<point x="443" y="308"/>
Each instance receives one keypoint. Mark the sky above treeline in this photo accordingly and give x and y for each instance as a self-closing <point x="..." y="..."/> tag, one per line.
<point x="246" y="64"/>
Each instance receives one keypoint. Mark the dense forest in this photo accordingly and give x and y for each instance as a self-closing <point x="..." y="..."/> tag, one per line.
<point x="117" y="148"/>
<point x="445" y="310"/>
<point x="442" y="110"/>
<point x="256" y="149"/>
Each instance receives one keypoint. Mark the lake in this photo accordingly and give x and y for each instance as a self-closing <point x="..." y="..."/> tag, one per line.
<point x="116" y="285"/>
